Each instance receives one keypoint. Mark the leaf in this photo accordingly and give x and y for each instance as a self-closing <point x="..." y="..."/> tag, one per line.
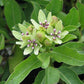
<point x="41" y="16"/>
<point x="2" y="42"/>
<point x="39" y="77"/>
<point x="51" y="75"/>
<point x="17" y="35"/>
<point x="2" y="82"/>
<point x="72" y="18"/>
<point x="15" y="59"/>
<point x="0" y="59"/>
<point x="36" y="9"/>
<point x="79" y="47"/>
<point x="55" y="6"/>
<point x="1" y="70"/>
<point x="77" y="69"/>
<point x="45" y="59"/>
<point x="69" y="37"/>
<point x="68" y="76"/>
<point x="81" y="13"/>
<point x="70" y="28"/>
<point x="61" y="15"/>
<point x="23" y="69"/>
<point x="67" y="55"/>
<point x="12" y="13"/>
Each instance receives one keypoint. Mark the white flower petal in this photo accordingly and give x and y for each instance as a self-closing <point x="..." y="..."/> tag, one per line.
<point x="58" y="41"/>
<point x="27" y="51"/>
<point x="36" y="50"/>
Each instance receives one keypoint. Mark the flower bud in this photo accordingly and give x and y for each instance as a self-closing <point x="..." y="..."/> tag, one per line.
<point x="40" y="36"/>
<point x="47" y="42"/>
<point x="30" y="28"/>
<point x="54" y="20"/>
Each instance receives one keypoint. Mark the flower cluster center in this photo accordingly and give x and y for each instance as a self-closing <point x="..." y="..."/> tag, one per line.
<point x="55" y="34"/>
<point x="45" y="24"/>
<point x="32" y="43"/>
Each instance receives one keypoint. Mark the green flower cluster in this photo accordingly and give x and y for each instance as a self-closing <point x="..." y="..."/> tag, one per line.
<point x="45" y="33"/>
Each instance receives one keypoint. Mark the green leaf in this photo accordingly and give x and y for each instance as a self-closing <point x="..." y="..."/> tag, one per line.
<point x="41" y="16"/>
<point x="2" y="42"/>
<point x="72" y="18"/>
<point x="69" y="37"/>
<point x="45" y="59"/>
<point x="68" y="76"/>
<point x="81" y="13"/>
<point x="12" y="13"/>
<point x="1" y="70"/>
<point x="2" y="82"/>
<point x="79" y="47"/>
<point x="77" y="69"/>
<point x="68" y="56"/>
<point x="51" y="75"/>
<point x="15" y="59"/>
<point x="36" y="9"/>
<point x="23" y="69"/>
<point x="17" y="35"/>
<point x="39" y="77"/>
<point x="0" y="59"/>
<point x="55" y="6"/>
<point x="61" y="15"/>
<point x="70" y="28"/>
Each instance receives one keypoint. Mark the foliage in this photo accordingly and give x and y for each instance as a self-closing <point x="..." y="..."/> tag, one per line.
<point x="37" y="34"/>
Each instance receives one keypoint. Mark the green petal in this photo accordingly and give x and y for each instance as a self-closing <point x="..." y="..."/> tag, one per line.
<point x="36" y="50"/>
<point x="17" y="35"/>
<point x="25" y="37"/>
<point x="58" y="41"/>
<point x="36" y="25"/>
<point x="24" y="44"/>
<point x="50" y="29"/>
<point x="41" y="16"/>
<point x="59" y="26"/>
<point x="49" y="37"/>
<point x="22" y="28"/>
<point x="27" y="51"/>
<point x="63" y="34"/>
<point x="49" y="17"/>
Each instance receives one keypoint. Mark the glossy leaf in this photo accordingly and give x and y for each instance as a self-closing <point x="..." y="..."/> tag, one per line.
<point x="39" y="77"/>
<point x="23" y="69"/>
<point x="36" y="9"/>
<point x="51" y="75"/>
<point x="45" y="59"/>
<point x="68" y="76"/>
<point x="70" y="28"/>
<point x="81" y="13"/>
<point x="68" y="56"/>
<point x="12" y="13"/>
<point x="69" y="37"/>
<point x="72" y="18"/>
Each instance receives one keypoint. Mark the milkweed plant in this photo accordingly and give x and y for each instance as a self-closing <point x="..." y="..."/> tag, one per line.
<point x="49" y="40"/>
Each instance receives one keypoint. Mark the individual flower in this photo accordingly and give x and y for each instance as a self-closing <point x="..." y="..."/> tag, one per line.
<point x="57" y="33"/>
<point x="44" y="21"/>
